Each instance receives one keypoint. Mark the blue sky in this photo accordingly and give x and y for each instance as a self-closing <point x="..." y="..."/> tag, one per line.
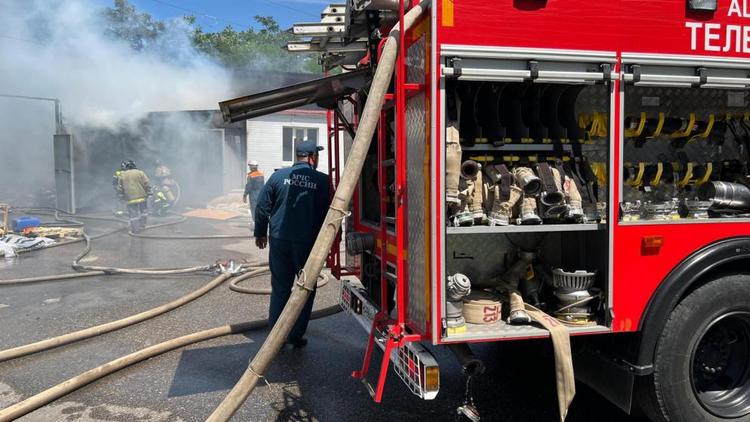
<point x="214" y="15"/>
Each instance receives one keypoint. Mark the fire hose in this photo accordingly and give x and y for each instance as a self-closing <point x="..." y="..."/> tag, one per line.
<point x="336" y="213"/>
<point x="90" y="271"/>
<point x="45" y="397"/>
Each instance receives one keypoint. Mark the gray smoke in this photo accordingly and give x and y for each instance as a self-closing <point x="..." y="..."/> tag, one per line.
<point x="59" y="49"/>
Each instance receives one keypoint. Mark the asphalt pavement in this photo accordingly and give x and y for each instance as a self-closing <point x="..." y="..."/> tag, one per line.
<point x="307" y="384"/>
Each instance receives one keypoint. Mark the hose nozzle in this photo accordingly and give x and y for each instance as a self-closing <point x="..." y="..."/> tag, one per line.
<point x="470" y="169"/>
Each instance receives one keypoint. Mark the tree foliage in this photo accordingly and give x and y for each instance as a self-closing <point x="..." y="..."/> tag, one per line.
<point x="125" y="22"/>
<point x="253" y="49"/>
<point x="259" y="49"/>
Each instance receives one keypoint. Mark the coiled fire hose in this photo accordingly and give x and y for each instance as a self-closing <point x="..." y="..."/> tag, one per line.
<point x="336" y="213"/>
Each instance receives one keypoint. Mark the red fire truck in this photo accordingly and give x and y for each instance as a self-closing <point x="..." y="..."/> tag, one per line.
<point x="590" y="158"/>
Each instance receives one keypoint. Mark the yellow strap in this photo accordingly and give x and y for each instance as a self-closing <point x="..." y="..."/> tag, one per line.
<point x="583" y="121"/>
<point x="600" y="171"/>
<point x="136" y="201"/>
<point x="659" y="126"/>
<point x="598" y="125"/>
<point x="483" y="158"/>
<point x="709" y="170"/>
<point x="688" y="129"/>
<point x="659" y="172"/>
<point x="709" y="127"/>
<point x="688" y="175"/>
<point x="639" y="178"/>
<point x="630" y="133"/>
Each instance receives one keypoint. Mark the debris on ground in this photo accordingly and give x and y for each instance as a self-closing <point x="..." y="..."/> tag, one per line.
<point x="230" y="202"/>
<point x="5" y="209"/>
<point x="213" y="214"/>
<point x="11" y="244"/>
<point x="53" y="232"/>
<point x="25" y="222"/>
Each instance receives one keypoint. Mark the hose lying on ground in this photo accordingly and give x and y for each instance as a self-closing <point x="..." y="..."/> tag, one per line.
<point x="90" y="271"/>
<point x="336" y="213"/>
<point x="114" y="325"/>
<point x="233" y="286"/>
<point x="38" y="400"/>
<point x="45" y="397"/>
<point x="114" y="270"/>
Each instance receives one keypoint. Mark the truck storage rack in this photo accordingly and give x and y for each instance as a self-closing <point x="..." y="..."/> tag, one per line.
<point x="525" y="229"/>
<point x="501" y="331"/>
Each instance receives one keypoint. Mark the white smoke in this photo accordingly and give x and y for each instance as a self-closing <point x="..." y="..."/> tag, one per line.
<point x="101" y="80"/>
<point x="60" y="49"/>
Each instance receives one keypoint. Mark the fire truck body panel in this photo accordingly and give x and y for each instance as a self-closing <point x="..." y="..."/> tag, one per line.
<point x="608" y="62"/>
<point x="527" y="28"/>
<point x="660" y="27"/>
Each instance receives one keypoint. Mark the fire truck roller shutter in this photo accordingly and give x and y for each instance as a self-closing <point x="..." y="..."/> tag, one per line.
<point x="487" y="108"/>
<point x="722" y="258"/>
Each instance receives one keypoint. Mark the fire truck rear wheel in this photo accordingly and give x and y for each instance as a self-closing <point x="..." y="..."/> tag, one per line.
<point x="702" y="360"/>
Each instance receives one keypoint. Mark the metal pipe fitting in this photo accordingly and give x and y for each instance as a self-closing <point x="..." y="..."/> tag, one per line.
<point x="726" y="195"/>
<point x="470" y="169"/>
<point x="470" y="364"/>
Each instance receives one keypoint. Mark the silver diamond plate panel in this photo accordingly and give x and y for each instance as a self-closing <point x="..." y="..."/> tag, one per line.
<point x="415" y="161"/>
<point x="501" y="330"/>
<point x="415" y="62"/>
<point x="417" y="169"/>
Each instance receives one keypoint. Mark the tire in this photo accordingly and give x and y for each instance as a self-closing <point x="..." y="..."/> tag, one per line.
<point x="702" y="359"/>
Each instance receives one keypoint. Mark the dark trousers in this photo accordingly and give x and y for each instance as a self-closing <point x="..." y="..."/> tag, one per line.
<point x="286" y="259"/>
<point x="137" y="215"/>
<point x="253" y="201"/>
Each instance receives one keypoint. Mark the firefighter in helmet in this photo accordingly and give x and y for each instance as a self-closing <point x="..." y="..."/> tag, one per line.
<point x="291" y="209"/>
<point x="120" y="205"/>
<point x="134" y="188"/>
<point x="164" y="196"/>
<point x="253" y="185"/>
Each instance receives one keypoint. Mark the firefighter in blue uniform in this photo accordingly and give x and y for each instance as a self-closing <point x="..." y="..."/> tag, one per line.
<point x="294" y="203"/>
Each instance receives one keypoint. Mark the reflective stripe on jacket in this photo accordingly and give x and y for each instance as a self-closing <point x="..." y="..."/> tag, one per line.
<point x="134" y="186"/>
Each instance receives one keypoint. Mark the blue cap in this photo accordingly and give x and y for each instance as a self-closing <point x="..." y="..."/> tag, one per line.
<point x="305" y="148"/>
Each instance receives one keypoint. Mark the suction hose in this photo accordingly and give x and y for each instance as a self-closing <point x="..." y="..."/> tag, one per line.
<point x="336" y="213"/>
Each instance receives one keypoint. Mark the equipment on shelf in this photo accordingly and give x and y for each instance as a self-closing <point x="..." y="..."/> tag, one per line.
<point x="457" y="288"/>
<point x="452" y="167"/>
<point x="528" y="181"/>
<point x="726" y="196"/>
<point x="572" y="290"/>
<point x="482" y="307"/>
<point x="502" y="195"/>
<point x="510" y="281"/>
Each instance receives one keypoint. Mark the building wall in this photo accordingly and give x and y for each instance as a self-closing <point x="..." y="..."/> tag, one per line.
<point x="265" y="134"/>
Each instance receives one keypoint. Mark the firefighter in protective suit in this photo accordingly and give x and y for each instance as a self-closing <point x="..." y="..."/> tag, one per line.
<point x="134" y="188"/>
<point x="120" y="205"/>
<point x="293" y="205"/>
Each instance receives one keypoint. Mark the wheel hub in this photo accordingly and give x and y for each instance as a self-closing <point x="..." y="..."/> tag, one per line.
<point x="721" y="366"/>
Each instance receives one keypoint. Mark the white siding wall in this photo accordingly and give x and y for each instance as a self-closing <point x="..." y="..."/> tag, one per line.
<point x="264" y="139"/>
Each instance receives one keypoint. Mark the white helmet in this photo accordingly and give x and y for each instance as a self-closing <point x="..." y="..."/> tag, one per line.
<point x="252" y="163"/>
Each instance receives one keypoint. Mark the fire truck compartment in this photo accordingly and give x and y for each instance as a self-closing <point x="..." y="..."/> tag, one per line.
<point x="521" y="117"/>
<point x="485" y="257"/>
<point x="686" y="130"/>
